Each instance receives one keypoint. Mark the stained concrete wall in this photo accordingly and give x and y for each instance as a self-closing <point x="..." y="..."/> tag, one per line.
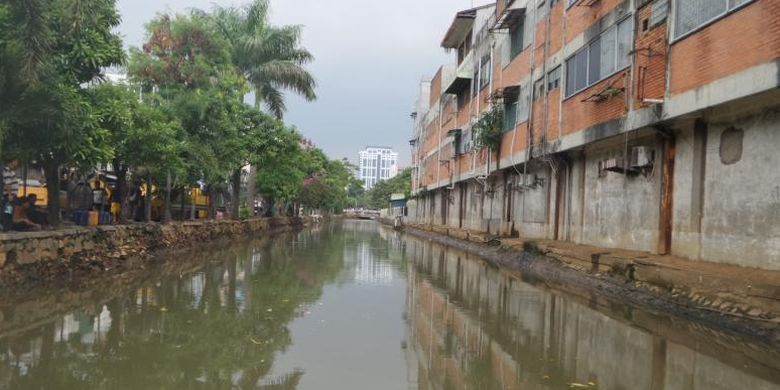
<point x="728" y="211"/>
<point x="533" y="203"/>
<point x="725" y="212"/>
<point x="621" y="211"/>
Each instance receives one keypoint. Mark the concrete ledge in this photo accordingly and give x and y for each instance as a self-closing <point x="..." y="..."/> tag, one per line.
<point x="734" y="298"/>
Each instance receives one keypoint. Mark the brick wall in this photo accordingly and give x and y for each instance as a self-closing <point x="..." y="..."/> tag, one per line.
<point x="435" y="88"/>
<point x="747" y="37"/>
<point x="580" y="17"/>
<point x="650" y="59"/>
<point x="579" y="114"/>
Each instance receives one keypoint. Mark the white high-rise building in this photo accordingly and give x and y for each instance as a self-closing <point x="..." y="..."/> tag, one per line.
<point x="377" y="163"/>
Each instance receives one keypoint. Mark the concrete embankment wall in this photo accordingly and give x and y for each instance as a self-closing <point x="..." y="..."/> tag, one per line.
<point x="731" y="298"/>
<point x="28" y="255"/>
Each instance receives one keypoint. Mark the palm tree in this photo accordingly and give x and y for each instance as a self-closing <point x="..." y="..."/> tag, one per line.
<point x="269" y="57"/>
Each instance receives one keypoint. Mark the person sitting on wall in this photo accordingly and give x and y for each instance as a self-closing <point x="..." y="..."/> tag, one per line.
<point x="20" y="220"/>
<point x="116" y="205"/>
<point x="34" y="213"/>
<point x="8" y="210"/>
<point x="98" y="197"/>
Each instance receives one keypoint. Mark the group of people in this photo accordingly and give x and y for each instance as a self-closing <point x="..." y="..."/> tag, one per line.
<point x="21" y="213"/>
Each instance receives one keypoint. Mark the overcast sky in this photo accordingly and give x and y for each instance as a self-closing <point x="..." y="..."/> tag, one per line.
<point x="370" y="58"/>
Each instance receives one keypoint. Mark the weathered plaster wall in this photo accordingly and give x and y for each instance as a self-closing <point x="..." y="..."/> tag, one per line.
<point x="532" y="218"/>
<point x="741" y="207"/>
<point x="621" y="211"/>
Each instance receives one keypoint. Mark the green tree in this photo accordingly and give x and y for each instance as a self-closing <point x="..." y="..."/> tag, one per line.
<point x="185" y="64"/>
<point x="282" y="167"/>
<point x="269" y="57"/>
<point x="54" y="122"/>
<point x="379" y="195"/>
<point x="116" y="108"/>
<point x="327" y="189"/>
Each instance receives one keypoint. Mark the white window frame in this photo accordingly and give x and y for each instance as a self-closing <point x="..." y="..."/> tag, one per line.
<point x="673" y="16"/>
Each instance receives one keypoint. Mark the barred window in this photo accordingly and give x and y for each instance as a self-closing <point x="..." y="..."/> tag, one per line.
<point x="602" y="57"/>
<point x="554" y="79"/>
<point x="485" y="71"/>
<point x="692" y="14"/>
<point x="510" y="113"/>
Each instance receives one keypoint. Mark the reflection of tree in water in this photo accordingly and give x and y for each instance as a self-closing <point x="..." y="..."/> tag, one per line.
<point x="218" y="328"/>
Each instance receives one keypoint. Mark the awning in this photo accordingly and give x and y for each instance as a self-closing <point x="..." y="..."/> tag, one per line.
<point x="462" y="79"/>
<point x="459" y="28"/>
<point x="510" y="17"/>
<point x="458" y="84"/>
<point x="508" y="92"/>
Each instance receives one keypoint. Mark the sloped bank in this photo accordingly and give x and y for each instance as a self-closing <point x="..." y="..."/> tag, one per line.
<point x="716" y="301"/>
<point x="62" y="255"/>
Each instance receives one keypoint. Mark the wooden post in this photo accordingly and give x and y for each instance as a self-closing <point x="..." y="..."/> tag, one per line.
<point x="667" y="193"/>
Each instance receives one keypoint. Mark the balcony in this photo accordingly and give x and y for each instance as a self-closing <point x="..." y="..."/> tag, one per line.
<point x="461" y="79"/>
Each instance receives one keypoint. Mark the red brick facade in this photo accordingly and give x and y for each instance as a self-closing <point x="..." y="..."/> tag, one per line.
<point x="659" y="67"/>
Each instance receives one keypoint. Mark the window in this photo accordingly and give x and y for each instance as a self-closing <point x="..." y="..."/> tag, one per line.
<point x="475" y="83"/>
<point x="465" y="142"/>
<point x="463" y="97"/>
<point x="625" y="37"/>
<point x="484" y="71"/>
<point x="539" y="88"/>
<point x="541" y="10"/>
<point x="510" y="112"/>
<point x="522" y="105"/>
<point x="516" y="39"/>
<point x="692" y="14"/>
<point x="602" y="57"/>
<point x="577" y="72"/>
<point x="658" y="12"/>
<point x="554" y="79"/>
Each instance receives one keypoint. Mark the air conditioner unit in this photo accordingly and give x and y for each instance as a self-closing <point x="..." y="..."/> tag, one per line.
<point x="641" y="156"/>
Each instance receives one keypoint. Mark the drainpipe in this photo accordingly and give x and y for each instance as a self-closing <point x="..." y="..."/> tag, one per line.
<point x="530" y="127"/>
<point x="490" y="106"/>
<point x="438" y="145"/>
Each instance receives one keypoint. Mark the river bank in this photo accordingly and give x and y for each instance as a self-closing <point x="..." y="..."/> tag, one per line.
<point x="59" y="257"/>
<point x="741" y="300"/>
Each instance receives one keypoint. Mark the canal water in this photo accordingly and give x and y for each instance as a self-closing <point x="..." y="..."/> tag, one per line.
<point x="353" y="305"/>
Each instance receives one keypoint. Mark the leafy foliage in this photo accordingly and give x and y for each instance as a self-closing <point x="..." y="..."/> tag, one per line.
<point x="49" y="50"/>
<point x="269" y="57"/>
<point x="379" y="195"/>
<point x="488" y="128"/>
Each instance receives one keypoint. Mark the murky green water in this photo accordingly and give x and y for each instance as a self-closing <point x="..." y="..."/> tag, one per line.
<point x="355" y="306"/>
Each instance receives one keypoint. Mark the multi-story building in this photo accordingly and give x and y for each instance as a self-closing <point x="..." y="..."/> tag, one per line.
<point x="377" y="163"/>
<point x="641" y="124"/>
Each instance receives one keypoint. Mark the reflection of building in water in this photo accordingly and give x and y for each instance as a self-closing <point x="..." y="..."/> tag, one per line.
<point x="369" y="269"/>
<point x="476" y="328"/>
<point x="394" y="238"/>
